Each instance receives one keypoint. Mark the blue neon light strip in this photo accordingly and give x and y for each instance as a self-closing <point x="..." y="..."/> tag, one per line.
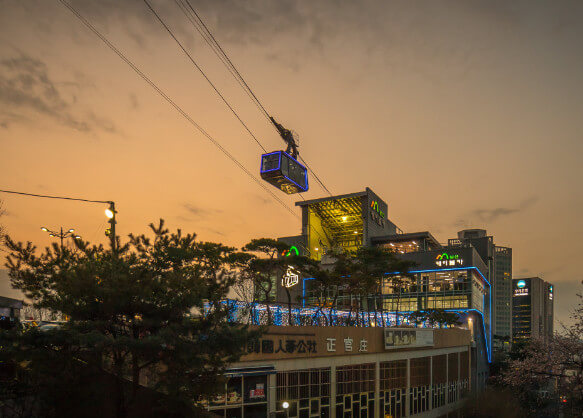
<point x="279" y="166"/>
<point x="297" y="313"/>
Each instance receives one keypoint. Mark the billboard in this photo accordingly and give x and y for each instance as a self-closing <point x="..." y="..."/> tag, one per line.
<point x="407" y="338"/>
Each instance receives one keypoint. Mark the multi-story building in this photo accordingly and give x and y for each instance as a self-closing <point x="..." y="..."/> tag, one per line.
<point x="454" y="278"/>
<point x="502" y="297"/>
<point x="348" y="372"/>
<point x="498" y="261"/>
<point x="532" y="309"/>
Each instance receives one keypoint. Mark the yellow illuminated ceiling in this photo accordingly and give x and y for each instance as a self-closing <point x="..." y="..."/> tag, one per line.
<point x="341" y="218"/>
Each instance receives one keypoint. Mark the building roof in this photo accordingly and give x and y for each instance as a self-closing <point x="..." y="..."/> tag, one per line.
<point x="338" y="197"/>
<point x="10" y="303"/>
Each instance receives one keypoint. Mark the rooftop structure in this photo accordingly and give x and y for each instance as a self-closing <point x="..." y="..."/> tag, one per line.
<point x="348" y="221"/>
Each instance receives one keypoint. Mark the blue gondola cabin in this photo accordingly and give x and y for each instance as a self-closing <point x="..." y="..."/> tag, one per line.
<point x="284" y="172"/>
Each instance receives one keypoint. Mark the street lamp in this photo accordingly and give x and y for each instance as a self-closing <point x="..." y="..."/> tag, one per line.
<point x="62" y="235"/>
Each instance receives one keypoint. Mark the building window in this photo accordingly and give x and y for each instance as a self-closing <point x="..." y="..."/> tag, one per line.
<point x="307" y="392"/>
<point x="248" y="393"/>
<point x="355" y="390"/>
<point x="393" y="387"/>
<point x="438" y="387"/>
<point x="420" y="370"/>
<point x="453" y="388"/>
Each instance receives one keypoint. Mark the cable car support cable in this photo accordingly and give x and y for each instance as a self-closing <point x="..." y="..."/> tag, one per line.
<point x="207" y="35"/>
<point x="173" y="104"/>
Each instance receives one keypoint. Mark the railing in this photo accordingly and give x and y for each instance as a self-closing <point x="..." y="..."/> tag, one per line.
<point x="282" y="315"/>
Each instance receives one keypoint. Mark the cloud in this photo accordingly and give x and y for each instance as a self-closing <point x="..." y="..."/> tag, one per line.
<point x="26" y="86"/>
<point x="198" y="211"/>
<point x="492" y="215"/>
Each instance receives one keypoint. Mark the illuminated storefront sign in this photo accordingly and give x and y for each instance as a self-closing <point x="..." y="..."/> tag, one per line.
<point x="448" y="260"/>
<point x="521" y="289"/>
<point x="290" y="278"/>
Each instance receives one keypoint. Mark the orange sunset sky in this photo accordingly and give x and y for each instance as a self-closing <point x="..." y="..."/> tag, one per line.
<point x="459" y="114"/>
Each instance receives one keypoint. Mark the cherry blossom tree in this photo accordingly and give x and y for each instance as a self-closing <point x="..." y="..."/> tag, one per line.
<point x="548" y="365"/>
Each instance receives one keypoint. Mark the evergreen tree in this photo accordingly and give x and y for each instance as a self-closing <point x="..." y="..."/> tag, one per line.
<point x="264" y="267"/>
<point x="147" y="316"/>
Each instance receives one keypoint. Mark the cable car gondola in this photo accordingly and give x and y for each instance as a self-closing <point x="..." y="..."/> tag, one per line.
<point x="282" y="168"/>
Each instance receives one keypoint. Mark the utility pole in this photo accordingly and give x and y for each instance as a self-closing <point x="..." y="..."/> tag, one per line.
<point x="110" y="213"/>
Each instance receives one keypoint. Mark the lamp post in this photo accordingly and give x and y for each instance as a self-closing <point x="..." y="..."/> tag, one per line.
<point x="62" y="235"/>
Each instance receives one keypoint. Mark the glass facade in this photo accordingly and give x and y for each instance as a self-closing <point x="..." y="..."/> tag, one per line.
<point x="244" y="396"/>
<point x="307" y="393"/>
<point x="403" y="388"/>
<point x="455" y="289"/>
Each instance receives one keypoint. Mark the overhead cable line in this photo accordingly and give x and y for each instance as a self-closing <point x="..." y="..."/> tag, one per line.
<point x="173" y="104"/>
<point x="55" y="197"/>
<point x="207" y="35"/>
<point x="202" y="72"/>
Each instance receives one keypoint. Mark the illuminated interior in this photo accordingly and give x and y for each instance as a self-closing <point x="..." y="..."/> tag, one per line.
<point x="334" y="223"/>
<point x="403" y="247"/>
<point x="408" y="243"/>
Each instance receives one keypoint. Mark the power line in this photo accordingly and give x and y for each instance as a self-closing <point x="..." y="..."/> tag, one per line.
<point x="172" y="103"/>
<point x="227" y="62"/>
<point x="315" y="175"/>
<point x="216" y="47"/>
<point x="203" y="73"/>
<point x="207" y="35"/>
<point x="56" y="197"/>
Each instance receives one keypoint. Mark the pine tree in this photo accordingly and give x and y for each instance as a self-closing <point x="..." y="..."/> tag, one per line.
<point x="149" y="315"/>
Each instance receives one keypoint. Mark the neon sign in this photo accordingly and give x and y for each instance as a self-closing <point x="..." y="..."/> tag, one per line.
<point x="522" y="283"/>
<point x="287" y="253"/>
<point x="448" y="260"/>
<point x="290" y="278"/>
<point x="375" y="206"/>
<point x="376" y="214"/>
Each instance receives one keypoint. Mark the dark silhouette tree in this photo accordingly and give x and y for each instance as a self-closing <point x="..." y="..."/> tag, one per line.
<point x="359" y="275"/>
<point x="265" y="267"/>
<point x="541" y="365"/>
<point x="149" y="316"/>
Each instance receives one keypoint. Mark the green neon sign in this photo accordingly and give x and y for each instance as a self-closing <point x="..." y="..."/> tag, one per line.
<point x="446" y="256"/>
<point x="375" y="206"/>
<point x="287" y="253"/>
